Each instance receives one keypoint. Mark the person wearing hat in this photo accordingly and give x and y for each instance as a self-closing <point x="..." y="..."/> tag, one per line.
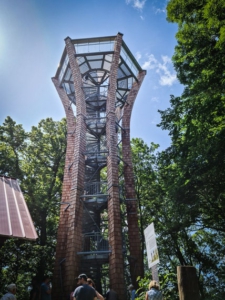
<point x="11" y="292"/>
<point x="132" y="291"/>
<point x="84" y="291"/>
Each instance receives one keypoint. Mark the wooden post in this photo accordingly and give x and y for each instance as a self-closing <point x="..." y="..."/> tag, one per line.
<point x="155" y="275"/>
<point x="187" y="283"/>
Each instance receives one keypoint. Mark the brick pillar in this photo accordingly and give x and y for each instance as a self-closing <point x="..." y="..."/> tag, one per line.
<point x="58" y="275"/>
<point x="73" y="234"/>
<point x="116" y="260"/>
<point x="135" y="257"/>
<point x="74" y="240"/>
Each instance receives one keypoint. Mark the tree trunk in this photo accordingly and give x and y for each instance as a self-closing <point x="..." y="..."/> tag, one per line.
<point x="187" y="283"/>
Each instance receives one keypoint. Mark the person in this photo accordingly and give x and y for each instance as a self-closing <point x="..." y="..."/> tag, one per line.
<point x="92" y="284"/>
<point x="154" y="293"/>
<point x="84" y="291"/>
<point x="10" y="295"/>
<point x="71" y="294"/>
<point x="46" y="289"/>
<point x="132" y="291"/>
<point x="35" y="291"/>
<point x="111" y="294"/>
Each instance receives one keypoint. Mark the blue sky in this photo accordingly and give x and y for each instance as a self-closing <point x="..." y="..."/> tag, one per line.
<point x="32" y="34"/>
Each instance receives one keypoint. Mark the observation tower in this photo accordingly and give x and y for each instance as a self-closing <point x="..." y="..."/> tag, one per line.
<point x="97" y="81"/>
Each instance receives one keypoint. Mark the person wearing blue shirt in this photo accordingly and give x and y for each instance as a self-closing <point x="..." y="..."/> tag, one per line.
<point x="154" y="293"/>
<point x="46" y="289"/>
<point x="132" y="291"/>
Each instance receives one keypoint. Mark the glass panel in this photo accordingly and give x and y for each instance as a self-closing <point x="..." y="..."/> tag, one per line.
<point x="72" y="98"/>
<point x="130" y="82"/>
<point x="120" y="74"/>
<point x="80" y="60"/>
<point x="103" y="90"/>
<point x="93" y="74"/>
<point x="107" y="46"/>
<point x="84" y="68"/>
<point x="93" y="47"/>
<point x="125" y="70"/>
<point x="108" y="57"/>
<point x="122" y="84"/>
<point x="107" y="65"/>
<point x="81" y="48"/>
<point x="129" y="62"/>
<point x="106" y="79"/>
<point x="67" y="88"/>
<point x="66" y="60"/>
<point x="64" y="65"/>
<point x="122" y="93"/>
<point x="93" y="57"/>
<point x="123" y="54"/>
<point x="118" y="95"/>
<point x="95" y="64"/>
<point x="72" y="88"/>
<point x="68" y="74"/>
<point x="133" y="68"/>
<point x="60" y="76"/>
<point x="87" y="82"/>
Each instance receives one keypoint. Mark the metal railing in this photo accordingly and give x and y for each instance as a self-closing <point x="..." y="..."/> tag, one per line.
<point x="94" y="243"/>
<point x="94" y="188"/>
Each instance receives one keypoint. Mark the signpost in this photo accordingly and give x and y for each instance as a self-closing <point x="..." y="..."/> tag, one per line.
<point x="152" y="250"/>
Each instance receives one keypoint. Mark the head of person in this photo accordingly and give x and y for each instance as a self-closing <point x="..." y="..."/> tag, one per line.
<point x="46" y="279"/>
<point x="91" y="282"/>
<point x="77" y="281"/>
<point x="11" y="288"/>
<point x="153" y="284"/>
<point x="82" y="279"/>
<point x="130" y="287"/>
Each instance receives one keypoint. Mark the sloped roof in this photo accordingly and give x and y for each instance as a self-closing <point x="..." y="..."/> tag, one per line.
<point x="15" y="219"/>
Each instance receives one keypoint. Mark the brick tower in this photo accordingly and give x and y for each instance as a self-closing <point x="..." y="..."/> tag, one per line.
<point x="97" y="81"/>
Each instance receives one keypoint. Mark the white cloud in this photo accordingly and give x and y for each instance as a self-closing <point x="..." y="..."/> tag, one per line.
<point x="164" y="69"/>
<point x="166" y="59"/>
<point x="159" y="11"/>
<point x="151" y="63"/>
<point x="139" y="4"/>
<point x="168" y="79"/>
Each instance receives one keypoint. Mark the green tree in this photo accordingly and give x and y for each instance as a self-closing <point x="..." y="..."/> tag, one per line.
<point x="44" y="166"/>
<point x="40" y="156"/>
<point x="192" y="169"/>
<point x="12" y="145"/>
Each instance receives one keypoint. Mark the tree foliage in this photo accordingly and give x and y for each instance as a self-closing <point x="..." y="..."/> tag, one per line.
<point x="189" y="175"/>
<point x="37" y="159"/>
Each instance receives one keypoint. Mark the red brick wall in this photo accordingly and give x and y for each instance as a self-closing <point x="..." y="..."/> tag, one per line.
<point x="69" y="239"/>
<point x="136" y="260"/>
<point x="74" y="234"/>
<point x="116" y="261"/>
<point x="61" y="247"/>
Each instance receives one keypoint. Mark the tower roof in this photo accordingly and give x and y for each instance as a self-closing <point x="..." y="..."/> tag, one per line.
<point x="15" y="219"/>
